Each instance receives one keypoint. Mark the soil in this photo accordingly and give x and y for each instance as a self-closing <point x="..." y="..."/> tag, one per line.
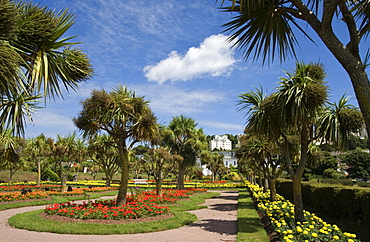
<point x="64" y="219"/>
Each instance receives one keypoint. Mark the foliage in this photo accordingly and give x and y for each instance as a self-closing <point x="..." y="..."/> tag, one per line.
<point x="184" y="139"/>
<point x="358" y="163"/>
<point x="127" y="118"/>
<point x="281" y="214"/>
<point x="36" y="60"/>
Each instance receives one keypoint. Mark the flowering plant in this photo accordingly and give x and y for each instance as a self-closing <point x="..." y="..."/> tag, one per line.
<point x="281" y="214"/>
<point x="17" y="196"/>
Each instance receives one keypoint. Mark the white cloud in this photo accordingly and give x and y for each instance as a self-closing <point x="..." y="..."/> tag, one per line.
<point x="213" y="57"/>
<point x="221" y="125"/>
<point x="50" y="119"/>
<point x="169" y="100"/>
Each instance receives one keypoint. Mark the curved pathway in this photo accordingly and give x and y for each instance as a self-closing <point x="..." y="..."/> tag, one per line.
<point x="217" y="222"/>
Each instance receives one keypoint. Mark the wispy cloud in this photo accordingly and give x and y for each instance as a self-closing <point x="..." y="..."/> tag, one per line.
<point x="170" y="100"/>
<point x="223" y="126"/>
<point x="213" y="57"/>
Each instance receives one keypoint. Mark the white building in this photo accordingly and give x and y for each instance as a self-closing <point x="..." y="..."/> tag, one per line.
<point x="220" y="142"/>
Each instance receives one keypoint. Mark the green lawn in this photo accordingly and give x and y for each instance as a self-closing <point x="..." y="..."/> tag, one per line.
<point x="249" y="223"/>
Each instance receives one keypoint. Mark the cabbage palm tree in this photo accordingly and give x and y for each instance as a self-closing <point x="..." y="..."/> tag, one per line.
<point x="186" y="140"/>
<point x="104" y="154"/>
<point x="35" y="59"/>
<point x="127" y="118"/>
<point x="36" y="149"/>
<point x="268" y="29"/>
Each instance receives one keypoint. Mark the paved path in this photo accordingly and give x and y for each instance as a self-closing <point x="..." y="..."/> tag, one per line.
<point x="217" y="222"/>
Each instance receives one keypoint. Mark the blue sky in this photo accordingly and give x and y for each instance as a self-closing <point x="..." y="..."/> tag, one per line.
<point x="173" y="53"/>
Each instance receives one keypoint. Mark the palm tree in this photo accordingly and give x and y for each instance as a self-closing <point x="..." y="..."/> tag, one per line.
<point x="127" y="118"/>
<point x="11" y="148"/>
<point x="185" y="140"/>
<point x="104" y="154"/>
<point x="338" y="121"/>
<point x="36" y="59"/>
<point x="37" y="149"/>
<point x="267" y="29"/>
<point x="213" y="161"/>
<point x="65" y="151"/>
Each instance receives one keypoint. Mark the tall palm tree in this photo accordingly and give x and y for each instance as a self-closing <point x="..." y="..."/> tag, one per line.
<point x="127" y="118"/>
<point x="268" y="29"/>
<point x="338" y="121"/>
<point x="36" y="59"/>
<point x="185" y="140"/>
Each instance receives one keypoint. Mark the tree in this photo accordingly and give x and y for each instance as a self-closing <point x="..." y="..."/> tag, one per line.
<point x="10" y="155"/>
<point x="35" y="59"/>
<point x="127" y="118"/>
<point x="213" y="161"/>
<point x="37" y="149"/>
<point x="267" y="28"/>
<point x="294" y="117"/>
<point x="264" y="156"/>
<point x="160" y="163"/>
<point x="185" y="140"/>
<point x="358" y="163"/>
<point x="65" y="156"/>
<point x="104" y="154"/>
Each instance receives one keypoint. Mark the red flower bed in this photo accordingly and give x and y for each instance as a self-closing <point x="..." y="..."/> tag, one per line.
<point x="141" y="205"/>
<point x="106" y="210"/>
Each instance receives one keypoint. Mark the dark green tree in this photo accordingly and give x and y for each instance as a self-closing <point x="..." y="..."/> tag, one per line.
<point x="358" y="163"/>
<point x="127" y="118"/>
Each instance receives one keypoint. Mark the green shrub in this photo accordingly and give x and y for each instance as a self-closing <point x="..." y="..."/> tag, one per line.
<point x="49" y="175"/>
<point x="333" y="173"/>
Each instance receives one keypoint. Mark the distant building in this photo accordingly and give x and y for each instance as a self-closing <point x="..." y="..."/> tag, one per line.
<point x="220" y="142"/>
<point x="229" y="160"/>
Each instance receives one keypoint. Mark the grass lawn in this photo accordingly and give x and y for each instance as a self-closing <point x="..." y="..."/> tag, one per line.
<point x="249" y="223"/>
<point x="181" y="218"/>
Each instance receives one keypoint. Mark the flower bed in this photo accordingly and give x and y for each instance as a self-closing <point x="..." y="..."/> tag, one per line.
<point x="107" y="210"/>
<point x="18" y="196"/>
<point x="144" y="204"/>
<point x="281" y="215"/>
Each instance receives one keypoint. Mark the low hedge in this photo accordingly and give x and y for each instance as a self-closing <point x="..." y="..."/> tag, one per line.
<point x="337" y="200"/>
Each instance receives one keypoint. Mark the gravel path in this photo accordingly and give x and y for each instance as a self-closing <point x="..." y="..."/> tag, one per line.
<point x="217" y="222"/>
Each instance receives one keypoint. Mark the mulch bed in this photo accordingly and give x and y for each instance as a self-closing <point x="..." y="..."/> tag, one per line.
<point x="266" y="223"/>
<point x="64" y="219"/>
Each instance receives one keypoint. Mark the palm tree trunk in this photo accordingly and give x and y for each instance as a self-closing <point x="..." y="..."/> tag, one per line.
<point x="63" y="187"/>
<point x="272" y="185"/>
<point x="122" y="192"/>
<point x="180" y="178"/>
<point x="38" y="172"/>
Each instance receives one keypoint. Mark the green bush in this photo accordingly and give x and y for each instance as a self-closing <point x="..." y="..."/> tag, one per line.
<point x="333" y="173"/>
<point x="49" y="175"/>
<point x="352" y="203"/>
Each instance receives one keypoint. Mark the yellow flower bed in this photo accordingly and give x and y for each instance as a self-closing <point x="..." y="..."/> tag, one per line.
<point x="281" y="214"/>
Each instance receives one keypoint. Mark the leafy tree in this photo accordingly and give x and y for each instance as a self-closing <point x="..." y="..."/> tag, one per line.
<point x="11" y="148"/>
<point x="35" y="59"/>
<point x="213" y="161"/>
<point x="127" y="118"/>
<point x="65" y="154"/>
<point x="37" y="149"/>
<point x="160" y="163"/>
<point x="327" y="161"/>
<point x="104" y="154"/>
<point x="291" y="118"/>
<point x="186" y="140"/>
<point x="268" y="28"/>
<point x="262" y="155"/>
<point x="358" y="163"/>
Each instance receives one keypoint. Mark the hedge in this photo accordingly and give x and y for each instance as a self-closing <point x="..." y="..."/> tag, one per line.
<point x="337" y="200"/>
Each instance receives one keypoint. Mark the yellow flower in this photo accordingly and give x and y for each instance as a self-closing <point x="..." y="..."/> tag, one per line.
<point x="305" y="232"/>
<point x="299" y="229"/>
<point x="350" y="240"/>
<point x="335" y="237"/>
<point x="314" y="235"/>
<point x="290" y="236"/>
<point x="311" y="227"/>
